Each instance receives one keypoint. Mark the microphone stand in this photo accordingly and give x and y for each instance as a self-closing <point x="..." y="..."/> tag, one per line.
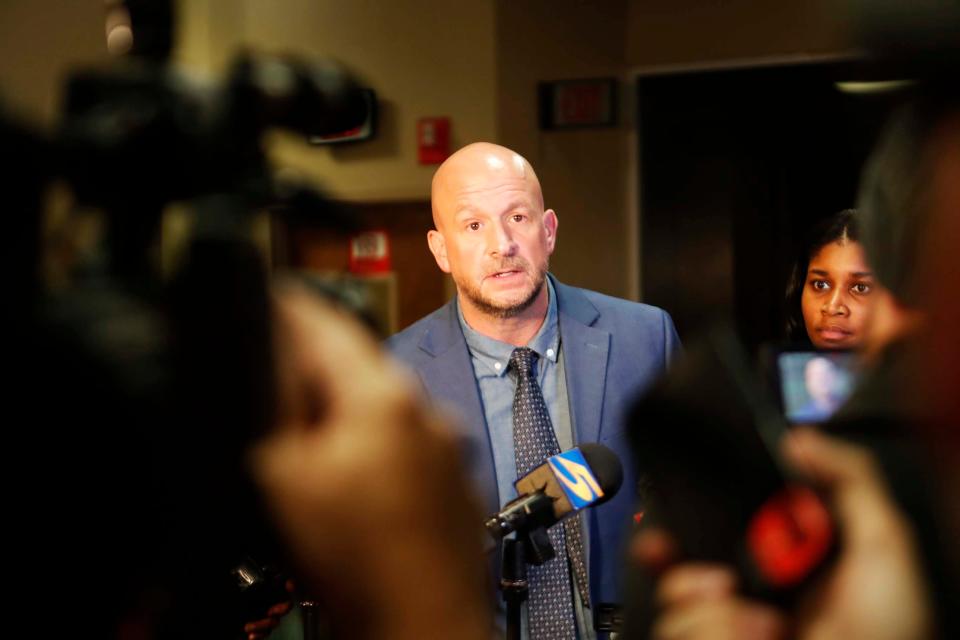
<point x="528" y="547"/>
<point x="311" y="619"/>
<point x="513" y="583"/>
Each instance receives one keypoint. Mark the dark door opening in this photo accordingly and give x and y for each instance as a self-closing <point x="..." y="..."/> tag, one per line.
<point x="735" y="167"/>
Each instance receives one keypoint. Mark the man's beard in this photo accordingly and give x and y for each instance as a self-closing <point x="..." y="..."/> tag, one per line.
<point x="498" y="310"/>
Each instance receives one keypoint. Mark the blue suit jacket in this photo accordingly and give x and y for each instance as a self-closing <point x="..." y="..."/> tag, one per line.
<point x="612" y="349"/>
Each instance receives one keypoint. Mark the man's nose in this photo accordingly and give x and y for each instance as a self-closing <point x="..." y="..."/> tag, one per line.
<point x="502" y="242"/>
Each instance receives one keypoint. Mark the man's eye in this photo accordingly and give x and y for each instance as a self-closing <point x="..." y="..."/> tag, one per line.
<point x="518" y="217"/>
<point x="474" y="226"/>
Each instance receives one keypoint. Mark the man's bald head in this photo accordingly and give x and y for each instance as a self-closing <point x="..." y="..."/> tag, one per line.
<point x="475" y="165"/>
<point x="492" y="233"/>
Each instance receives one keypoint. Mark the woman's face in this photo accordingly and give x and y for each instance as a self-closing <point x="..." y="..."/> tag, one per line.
<point x="836" y="296"/>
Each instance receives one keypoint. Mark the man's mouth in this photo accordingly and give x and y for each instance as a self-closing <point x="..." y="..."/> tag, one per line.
<point x="504" y="274"/>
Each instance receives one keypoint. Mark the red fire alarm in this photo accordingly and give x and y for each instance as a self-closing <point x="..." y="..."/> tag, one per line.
<point x="370" y="253"/>
<point x="433" y="140"/>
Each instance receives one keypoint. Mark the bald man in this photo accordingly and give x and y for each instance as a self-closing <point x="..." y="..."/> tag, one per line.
<point x="591" y="354"/>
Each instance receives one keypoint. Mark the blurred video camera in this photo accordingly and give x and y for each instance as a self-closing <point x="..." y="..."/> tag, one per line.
<point x="143" y="393"/>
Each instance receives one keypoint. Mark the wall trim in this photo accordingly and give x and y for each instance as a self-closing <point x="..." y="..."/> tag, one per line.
<point x="747" y="63"/>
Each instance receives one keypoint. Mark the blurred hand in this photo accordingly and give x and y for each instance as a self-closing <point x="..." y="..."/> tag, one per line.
<point x="366" y="484"/>
<point x="874" y="591"/>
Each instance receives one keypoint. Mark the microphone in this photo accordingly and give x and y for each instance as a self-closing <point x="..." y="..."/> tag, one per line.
<point x="581" y="477"/>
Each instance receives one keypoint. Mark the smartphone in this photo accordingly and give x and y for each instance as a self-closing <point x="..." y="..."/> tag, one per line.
<point x="814" y="384"/>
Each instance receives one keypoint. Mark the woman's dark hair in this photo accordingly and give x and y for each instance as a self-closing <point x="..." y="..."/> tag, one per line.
<point x="839" y="227"/>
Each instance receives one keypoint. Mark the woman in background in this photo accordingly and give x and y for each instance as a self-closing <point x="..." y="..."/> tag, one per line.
<point x="828" y="294"/>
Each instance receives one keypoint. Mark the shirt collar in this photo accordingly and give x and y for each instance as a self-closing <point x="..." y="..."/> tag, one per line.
<point x="494" y="355"/>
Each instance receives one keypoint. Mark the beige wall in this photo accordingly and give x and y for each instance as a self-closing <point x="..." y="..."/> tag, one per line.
<point x="693" y="32"/>
<point x="209" y="32"/>
<point x="423" y="57"/>
<point x="40" y="41"/>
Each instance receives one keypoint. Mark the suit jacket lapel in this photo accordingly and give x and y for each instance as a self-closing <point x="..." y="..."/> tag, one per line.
<point x="585" y="352"/>
<point x="449" y="376"/>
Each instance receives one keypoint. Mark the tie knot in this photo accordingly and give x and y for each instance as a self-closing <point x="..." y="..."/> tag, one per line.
<point x="522" y="360"/>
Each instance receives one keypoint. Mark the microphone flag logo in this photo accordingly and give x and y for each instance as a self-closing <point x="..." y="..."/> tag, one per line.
<point x="575" y="477"/>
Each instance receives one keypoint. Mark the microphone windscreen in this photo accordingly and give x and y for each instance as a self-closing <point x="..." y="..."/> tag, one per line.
<point x="606" y="468"/>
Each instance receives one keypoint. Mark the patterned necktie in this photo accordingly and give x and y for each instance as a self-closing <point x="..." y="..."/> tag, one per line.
<point x="551" y="614"/>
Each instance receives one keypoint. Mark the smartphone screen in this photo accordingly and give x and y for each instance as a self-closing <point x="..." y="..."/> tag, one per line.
<point x="814" y="384"/>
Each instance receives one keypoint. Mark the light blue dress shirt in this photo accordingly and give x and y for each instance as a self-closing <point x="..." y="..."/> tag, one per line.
<point x="490" y="360"/>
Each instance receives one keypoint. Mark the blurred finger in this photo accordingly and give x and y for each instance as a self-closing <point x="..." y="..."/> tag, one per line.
<point x="260" y="625"/>
<point x="279" y="609"/>
<point x="694" y="581"/>
<point x="723" y="619"/>
<point x="827" y="460"/>
<point x="653" y="549"/>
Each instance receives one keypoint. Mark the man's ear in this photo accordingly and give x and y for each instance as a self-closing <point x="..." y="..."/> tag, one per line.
<point x="550" y="223"/>
<point x="438" y="247"/>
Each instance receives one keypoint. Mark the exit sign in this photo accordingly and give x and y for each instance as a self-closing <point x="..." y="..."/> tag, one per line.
<point x="571" y="104"/>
